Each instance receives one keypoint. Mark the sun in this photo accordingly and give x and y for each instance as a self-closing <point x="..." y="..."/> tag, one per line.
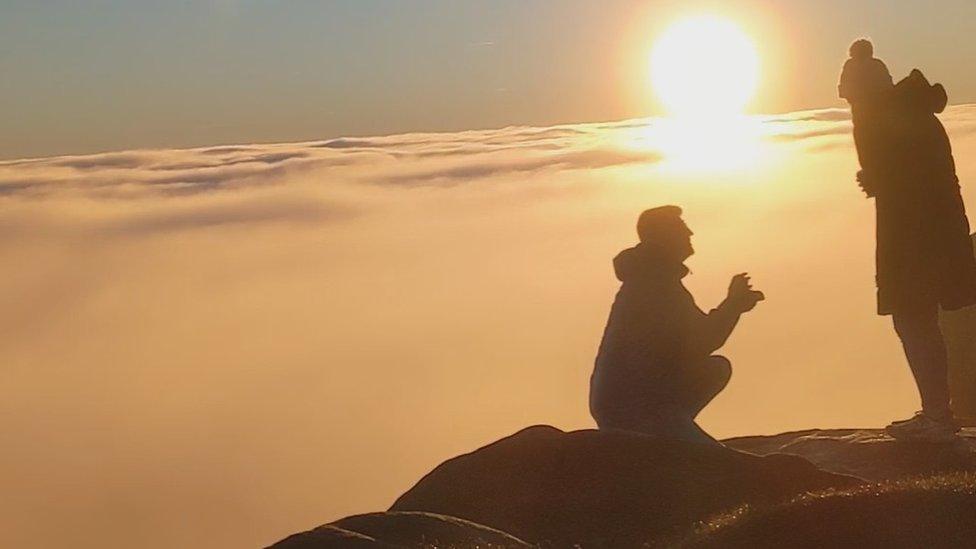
<point x="704" y="66"/>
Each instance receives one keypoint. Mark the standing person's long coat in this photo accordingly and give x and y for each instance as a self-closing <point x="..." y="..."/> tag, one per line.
<point x="924" y="252"/>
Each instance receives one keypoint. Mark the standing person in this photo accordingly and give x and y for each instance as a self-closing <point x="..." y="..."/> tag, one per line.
<point x="655" y="370"/>
<point x="924" y="254"/>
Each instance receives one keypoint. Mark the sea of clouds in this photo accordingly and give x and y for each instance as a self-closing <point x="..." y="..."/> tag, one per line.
<point x="217" y="347"/>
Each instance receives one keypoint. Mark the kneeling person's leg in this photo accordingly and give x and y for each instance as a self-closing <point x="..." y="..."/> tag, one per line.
<point x="701" y="382"/>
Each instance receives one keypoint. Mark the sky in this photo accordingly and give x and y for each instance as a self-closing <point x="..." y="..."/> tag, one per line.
<point x="218" y="347"/>
<point x="100" y="75"/>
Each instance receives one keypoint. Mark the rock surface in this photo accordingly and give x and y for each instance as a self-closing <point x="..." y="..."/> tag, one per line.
<point x="866" y="453"/>
<point x="400" y="531"/>
<point x="605" y="489"/>
<point x="932" y="513"/>
<point x="330" y="537"/>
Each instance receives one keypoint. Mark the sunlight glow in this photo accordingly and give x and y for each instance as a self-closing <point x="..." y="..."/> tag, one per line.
<point x="705" y="71"/>
<point x="704" y="66"/>
<point x="722" y="145"/>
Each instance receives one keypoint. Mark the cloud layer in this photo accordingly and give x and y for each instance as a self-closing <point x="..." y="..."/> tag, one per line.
<point x="220" y="346"/>
<point x="407" y="159"/>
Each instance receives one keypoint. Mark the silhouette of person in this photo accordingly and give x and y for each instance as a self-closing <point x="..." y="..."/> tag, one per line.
<point x="655" y="370"/>
<point x="865" y="83"/>
<point x="924" y="254"/>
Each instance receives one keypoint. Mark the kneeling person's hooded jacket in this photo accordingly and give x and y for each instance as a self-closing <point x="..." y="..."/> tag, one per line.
<point x="655" y="328"/>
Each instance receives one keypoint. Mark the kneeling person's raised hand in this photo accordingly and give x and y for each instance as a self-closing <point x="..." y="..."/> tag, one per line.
<point x="742" y="298"/>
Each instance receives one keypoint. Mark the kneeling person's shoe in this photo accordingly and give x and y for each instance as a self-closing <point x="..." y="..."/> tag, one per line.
<point x="924" y="428"/>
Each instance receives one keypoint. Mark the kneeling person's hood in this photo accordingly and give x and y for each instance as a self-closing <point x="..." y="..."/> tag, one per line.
<point x="643" y="263"/>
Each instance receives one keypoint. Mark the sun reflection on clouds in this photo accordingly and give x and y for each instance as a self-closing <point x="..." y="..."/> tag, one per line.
<point x="696" y="145"/>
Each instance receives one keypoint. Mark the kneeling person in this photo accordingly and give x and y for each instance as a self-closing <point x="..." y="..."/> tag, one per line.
<point x="655" y="370"/>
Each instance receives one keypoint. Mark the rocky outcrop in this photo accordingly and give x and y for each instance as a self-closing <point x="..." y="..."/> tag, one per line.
<point x="933" y="513"/>
<point x="400" y="531"/>
<point x="866" y="453"/>
<point x="618" y="490"/>
<point x="603" y="489"/>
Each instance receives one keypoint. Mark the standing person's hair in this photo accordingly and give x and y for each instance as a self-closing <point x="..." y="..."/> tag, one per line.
<point x="861" y="49"/>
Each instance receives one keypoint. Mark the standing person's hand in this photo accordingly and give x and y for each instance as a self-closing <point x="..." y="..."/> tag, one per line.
<point x="742" y="298"/>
